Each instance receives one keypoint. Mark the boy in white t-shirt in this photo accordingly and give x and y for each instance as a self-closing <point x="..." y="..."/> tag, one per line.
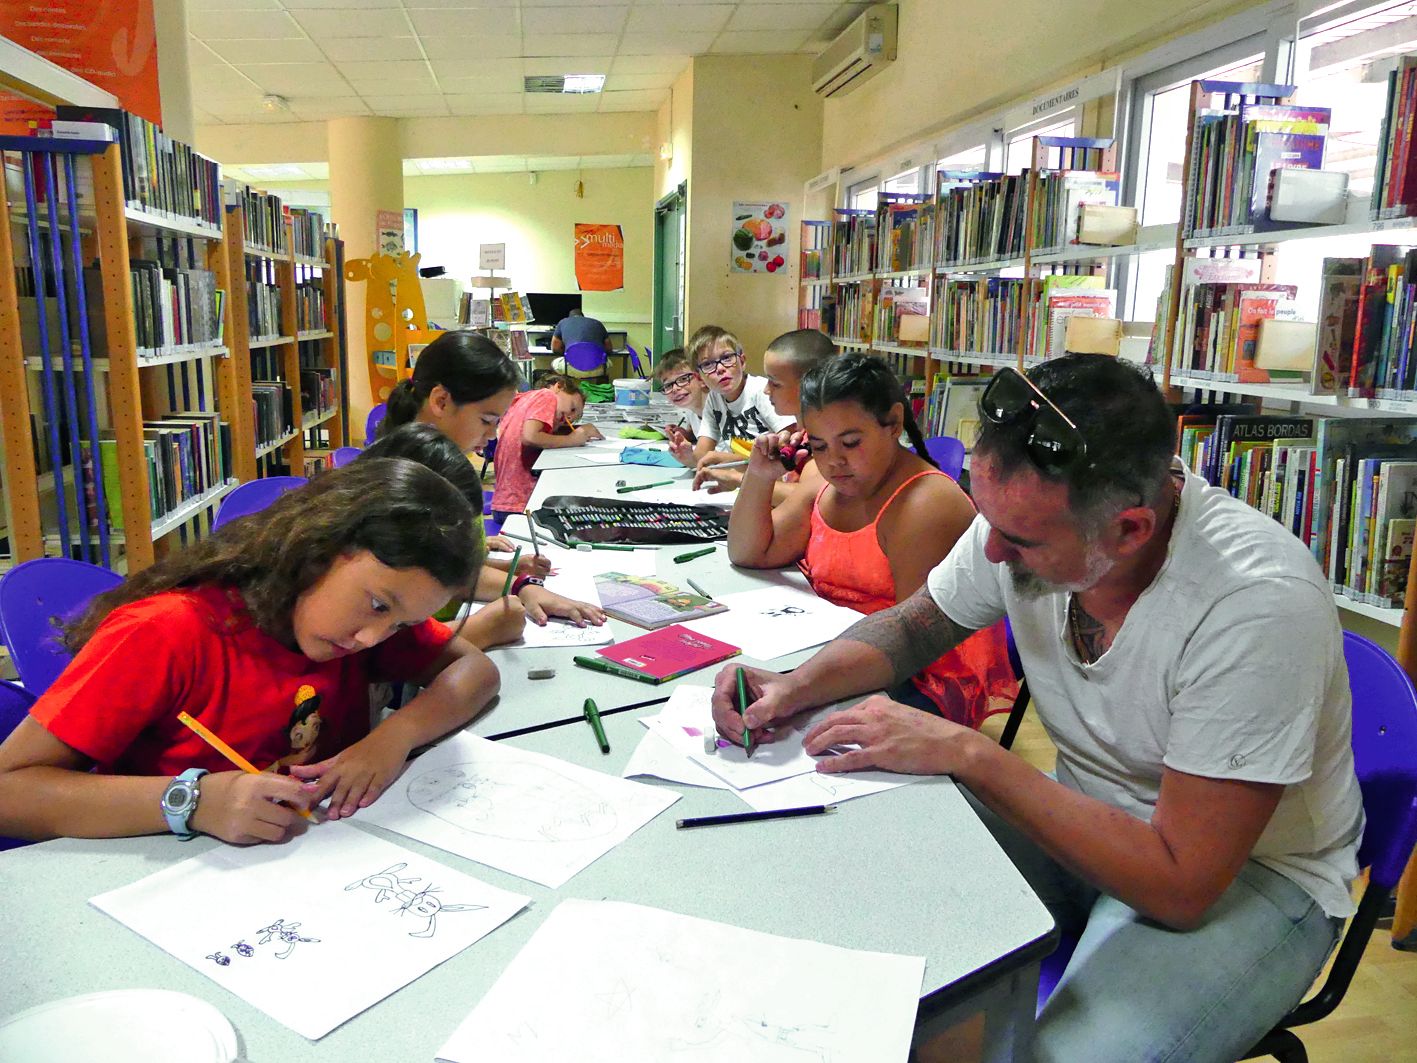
<point x="1184" y="655"/>
<point x="737" y="404"/>
<point x="683" y="387"/>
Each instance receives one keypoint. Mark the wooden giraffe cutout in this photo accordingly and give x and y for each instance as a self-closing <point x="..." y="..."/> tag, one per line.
<point x="393" y="304"/>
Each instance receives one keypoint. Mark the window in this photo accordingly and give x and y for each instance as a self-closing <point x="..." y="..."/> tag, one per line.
<point x="863" y="194"/>
<point x="1020" y="154"/>
<point x="907" y="182"/>
<point x="976" y="158"/>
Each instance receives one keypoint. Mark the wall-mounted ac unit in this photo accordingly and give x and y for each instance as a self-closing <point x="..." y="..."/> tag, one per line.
<point x="858" y="54"/>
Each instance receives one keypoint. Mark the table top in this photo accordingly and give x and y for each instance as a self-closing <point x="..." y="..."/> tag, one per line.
<point x="909" y="871"/>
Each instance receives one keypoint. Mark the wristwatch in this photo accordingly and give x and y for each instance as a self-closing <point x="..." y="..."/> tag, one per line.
<point x="179" y="801"/>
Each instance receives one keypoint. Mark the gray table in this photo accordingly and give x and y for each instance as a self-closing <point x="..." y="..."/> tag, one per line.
<point x="910" y="871"/>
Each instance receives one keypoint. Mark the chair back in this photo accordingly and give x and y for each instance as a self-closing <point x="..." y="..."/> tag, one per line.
<point x="948" y="453"/>
<point x="376" y="418"/>
<point x="33" y="596"/>
<point x="1385" y="756"/>
<point x="254" y="496"/>
<point x="635" y="361"/>
<point x="15" y="702"/>
<point x="587" y="359"/>
<point x="343" y="456"/>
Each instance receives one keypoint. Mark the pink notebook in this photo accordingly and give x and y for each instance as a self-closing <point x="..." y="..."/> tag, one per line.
<point x="669" y="652"/>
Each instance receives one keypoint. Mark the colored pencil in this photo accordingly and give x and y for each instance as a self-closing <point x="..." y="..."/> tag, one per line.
<point x="753" y="817"/>
<point x="210" y="738"/>
<point x="511" y="572"/>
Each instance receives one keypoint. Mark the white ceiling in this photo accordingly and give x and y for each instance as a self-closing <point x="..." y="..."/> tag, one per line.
<point x="273" y="175"/>
<point x="413" y="58"/>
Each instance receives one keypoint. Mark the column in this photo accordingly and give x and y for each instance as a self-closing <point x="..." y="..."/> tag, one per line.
<point x="366" y="176"/>
<point x="174" y="80"/>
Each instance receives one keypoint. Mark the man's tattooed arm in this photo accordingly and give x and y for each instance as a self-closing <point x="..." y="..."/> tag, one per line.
<point x="910" y="635"/>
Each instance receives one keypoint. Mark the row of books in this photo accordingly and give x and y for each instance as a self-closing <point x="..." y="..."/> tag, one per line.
<point x="902" y="315"/>
<point x="853" y="242"/>
<point x="905" y="234"/>
<point x="1223" y="303"/>
<point x="1061" y="195"/>
<point x="174" y="308"/>
<point x="983" y="315"/>
<point x="1395" y="177"/>
<point x="848" y="313"/>
<point x="815" y="257"/>
<point x="1235" y="150"/>
<point x="307" y="229"/>
<point x="952" y="408"/>
<point x="264" y="216"/>
<point x="1346" y="487"/>
<point x="159" y="173"/>
<point x="274" y="410"/>
<point x="319" y="391"/>
<point x="187" y="455"/>
<point x="980" y="217"/>
<point x="1060" y="296"/>
<point x="310" y="306"/>
<point x="263" y="317"/>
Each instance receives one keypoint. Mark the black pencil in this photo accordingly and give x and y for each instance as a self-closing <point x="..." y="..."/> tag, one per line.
<point x="753" y="817"/>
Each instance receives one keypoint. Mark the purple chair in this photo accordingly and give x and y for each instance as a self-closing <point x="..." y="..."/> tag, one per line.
<point x="586" y="359"/>
<point x="376" y="418"/>
<point x="344" y="455"/>
<point x="254" y="496"/>
<point x="15" y="702"/>
<point x="948" y="454"/>
<point x="635" y="360"/>
<point x="35" y="597"/>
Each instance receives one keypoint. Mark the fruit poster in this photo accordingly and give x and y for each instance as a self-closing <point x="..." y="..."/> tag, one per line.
<point x="759" y="238"/>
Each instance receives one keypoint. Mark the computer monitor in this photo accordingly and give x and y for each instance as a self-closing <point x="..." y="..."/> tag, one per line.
<point x="618" y="340"/>
<point x="548" y="308"/>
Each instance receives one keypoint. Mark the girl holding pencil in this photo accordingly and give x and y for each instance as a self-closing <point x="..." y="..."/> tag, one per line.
<point x="330" y="588"/>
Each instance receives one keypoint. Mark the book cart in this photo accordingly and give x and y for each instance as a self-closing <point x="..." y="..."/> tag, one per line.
<point x="125" y="390"/>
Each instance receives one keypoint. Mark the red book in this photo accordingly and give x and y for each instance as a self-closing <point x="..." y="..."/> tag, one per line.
<point x="669" y="652"/>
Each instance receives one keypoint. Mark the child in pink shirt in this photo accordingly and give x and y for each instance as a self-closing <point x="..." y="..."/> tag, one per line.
<point x="536" y="420"/>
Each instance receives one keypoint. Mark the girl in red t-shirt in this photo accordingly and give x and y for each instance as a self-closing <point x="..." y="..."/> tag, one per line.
<point x="868" y="522"/>
<point x="537" y="420"/>
<point x="268" y="633"/>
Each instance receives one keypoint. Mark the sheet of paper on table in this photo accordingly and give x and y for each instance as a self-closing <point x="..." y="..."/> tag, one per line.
<point x="314" y="931"/>
<point x="523" y="813"/>
<point x="775" y="621"/>
<point x="558" y="633"/>
<point x="631" y="982"/>
<point x="683" y="496"/>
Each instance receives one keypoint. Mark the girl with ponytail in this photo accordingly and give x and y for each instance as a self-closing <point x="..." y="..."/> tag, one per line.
<point x="462" y="384"/>
<point x="869" y="523"/>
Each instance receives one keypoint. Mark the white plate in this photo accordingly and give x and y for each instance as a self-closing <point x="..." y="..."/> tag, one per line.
<point x="119" y="1026"/>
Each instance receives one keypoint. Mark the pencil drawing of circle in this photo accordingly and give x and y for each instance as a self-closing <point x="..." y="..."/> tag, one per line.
<point x="525" y="802"/>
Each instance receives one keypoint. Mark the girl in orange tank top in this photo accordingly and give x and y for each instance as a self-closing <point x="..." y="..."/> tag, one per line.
<point x="869" y="522"/>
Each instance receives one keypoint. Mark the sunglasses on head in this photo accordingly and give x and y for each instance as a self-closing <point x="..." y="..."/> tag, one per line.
<point x="1054" y="442"/>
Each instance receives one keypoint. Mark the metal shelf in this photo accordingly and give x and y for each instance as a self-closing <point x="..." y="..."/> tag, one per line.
<point x="1340" y="404"/>
<point x="943" y="354"/>
<point x="257" y="251"/>
<point x="168" y="224"/>
<point x="853" y="278"/>
<point x="307" y="423"/>
<point x="1390" y="615"/>
<point x="306" y="260"/>
<point x="272" y="447"/>
<point x="904" y="274"/>
<point x="900" y="348"/>
<point x="979" y="267"/>
<point x="842" y="341"/>
<point x="270" y="341"/>
<point x="190" y="508"/>
<point x="313" y="334"/>
<point x="1361" y="227"/>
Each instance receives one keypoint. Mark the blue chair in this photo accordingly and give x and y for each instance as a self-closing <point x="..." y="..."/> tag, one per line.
<point x="585" y="359"/>
<point x="375" y="419"/>
<point x="254" y="496"/>
<point x="343" y="456"/>
<point x="635" y="360"/>
<point x="35" y="597"/>
<point x="15" y="702"/>
<point x="948" y="454"/>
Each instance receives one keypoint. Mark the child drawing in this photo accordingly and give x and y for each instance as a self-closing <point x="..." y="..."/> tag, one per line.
<point x="528" y="803"/>
<point x="387" y="885"/>
<point x="287" y="933"/>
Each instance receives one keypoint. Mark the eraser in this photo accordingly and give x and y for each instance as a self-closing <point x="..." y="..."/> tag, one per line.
<point x="710" y="743"/>
<point x="583" y="546"/>
<point x="541" y="673"/>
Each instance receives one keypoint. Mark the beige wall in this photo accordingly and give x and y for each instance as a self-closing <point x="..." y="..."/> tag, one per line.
<point x="674" y="125"/>
<point x="956" y="60"/>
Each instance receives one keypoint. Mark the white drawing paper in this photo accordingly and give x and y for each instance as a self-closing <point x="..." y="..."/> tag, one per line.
<point x="314" y="931"/>
<point x="655" y="757"/>
<point x="682" y="496"/>
<point x="775" y="621"/>
<point x="523" y="813"/>
<point x="560" y="633"/>
<point x="636" y="983"/>
<point x="816" y="788"/>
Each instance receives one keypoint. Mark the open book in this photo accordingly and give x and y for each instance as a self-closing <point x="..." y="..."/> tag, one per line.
<point x="650" y="602"/>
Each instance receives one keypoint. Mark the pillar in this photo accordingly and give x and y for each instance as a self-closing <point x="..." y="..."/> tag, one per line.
<point x="366" y="176"/>
<point x="174" y="82"/>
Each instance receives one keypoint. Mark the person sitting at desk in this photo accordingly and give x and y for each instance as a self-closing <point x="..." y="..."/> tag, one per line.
<point x="870" y="523"/>
<point x="577" y="328"/>
<point x="537" y="420"/>
<point x="1184" y="654"/>
<point x="687" y="391"/>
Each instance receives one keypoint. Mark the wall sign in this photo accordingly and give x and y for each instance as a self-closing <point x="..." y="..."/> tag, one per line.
<point x="600" y="257"/>
<point x="759" y="242"/>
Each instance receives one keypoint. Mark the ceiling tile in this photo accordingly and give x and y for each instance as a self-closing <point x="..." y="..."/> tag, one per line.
<point x="487" y="84"/>
<point x="472" y="47"/>
<point x="649" y="64"/>
<point x="368" y="49"/>
<point x="667" y="44"/>
<point x="486" y="103"/>
<point x="243" y="110"/>
<point x="683" y="18"/>
<point x="397" y="87"/>
<point x="774" y="17"/>
<point x="293" y="50"/>
<point x="757" y="42"/>
<point x="298" y="79"/>
<point x="389" y="70"/>
<point x="472" y="68"/>
<point x="561" y="44"/>
<point x="241" y="25"/>
<point x="398" y="106"/>
<point x="363" y="5"/>
<point x="561" y="103"/>
<point x="221" y="81"/>
<point x="324" y="24"/>
<point x="567" y="64"/>
<point x="435" y="4"/>
<point x="465" y="23"/>
<point x="232" y="5"/>
<point x="586" y="18"/>
<point x="334" y="107"/>
<point x="624" y="82"/>
<point x="637" y="100"/>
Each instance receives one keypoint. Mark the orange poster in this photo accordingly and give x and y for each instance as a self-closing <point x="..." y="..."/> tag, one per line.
<point x="110" y="43"/>
<point x="600" y="258"/>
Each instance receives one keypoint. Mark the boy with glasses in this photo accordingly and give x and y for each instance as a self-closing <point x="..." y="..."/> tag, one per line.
<point x="682" y="386"/>
<point x="1199" y="834"/>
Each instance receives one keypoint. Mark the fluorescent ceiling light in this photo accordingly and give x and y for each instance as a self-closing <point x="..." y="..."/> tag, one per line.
<point x="583" y="83"/>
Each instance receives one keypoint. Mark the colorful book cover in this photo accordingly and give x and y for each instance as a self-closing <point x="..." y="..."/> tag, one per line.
<point x="1397" y="559"/>
<point x="650" y="602"/>
<point x="1255" y="305"/>
<point x="669" y="652"/>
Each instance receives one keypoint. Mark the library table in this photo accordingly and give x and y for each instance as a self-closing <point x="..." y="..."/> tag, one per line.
<point x="910" y="871"/>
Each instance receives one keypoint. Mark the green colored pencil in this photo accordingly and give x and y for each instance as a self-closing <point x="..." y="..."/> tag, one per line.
<point x="643" y="487"/>
<point x="679" y="559"/>
<point x="512" y="572"/>
<point x="742" y="678"/>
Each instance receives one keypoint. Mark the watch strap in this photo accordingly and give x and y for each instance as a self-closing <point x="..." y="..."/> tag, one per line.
<point x="177" y="822"/>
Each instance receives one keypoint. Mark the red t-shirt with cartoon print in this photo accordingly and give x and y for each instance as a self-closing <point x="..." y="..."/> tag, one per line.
<point x="198" y="650"/>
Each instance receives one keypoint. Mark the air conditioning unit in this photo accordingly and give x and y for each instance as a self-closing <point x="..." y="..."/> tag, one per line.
<point x="858" y="54"/>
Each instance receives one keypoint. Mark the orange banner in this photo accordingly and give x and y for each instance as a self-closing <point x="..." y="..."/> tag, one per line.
<point x="600" y="258"/>
<point x="110" y="43"/>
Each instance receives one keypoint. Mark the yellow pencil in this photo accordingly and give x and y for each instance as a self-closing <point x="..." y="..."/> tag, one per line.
<point x="210" y="738"/>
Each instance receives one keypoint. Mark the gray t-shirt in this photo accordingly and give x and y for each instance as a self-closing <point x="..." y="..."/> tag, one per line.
<point x="1229" y="666"/>
<point x="576" y="329"/>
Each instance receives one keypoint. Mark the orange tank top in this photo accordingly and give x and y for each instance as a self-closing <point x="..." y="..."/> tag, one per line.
<point x="968" y="682"/>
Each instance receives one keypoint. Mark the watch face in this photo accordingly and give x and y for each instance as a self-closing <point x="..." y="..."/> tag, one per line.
<point x="177" y="798"/>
